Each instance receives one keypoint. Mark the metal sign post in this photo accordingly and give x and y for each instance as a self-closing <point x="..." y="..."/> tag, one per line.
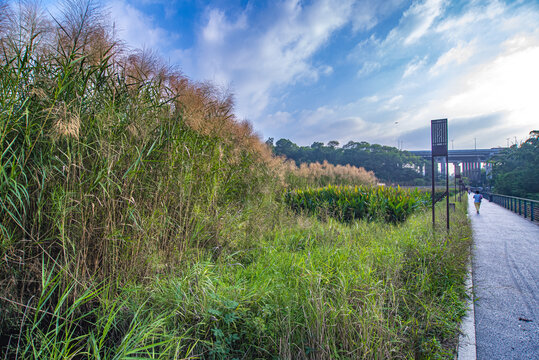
<point x="433" y="193"/>
<point x="438" y="136"/>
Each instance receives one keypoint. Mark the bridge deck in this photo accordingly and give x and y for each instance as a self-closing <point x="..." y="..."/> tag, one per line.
<point x="505" y="270"/>
<point x="467" y="155"/>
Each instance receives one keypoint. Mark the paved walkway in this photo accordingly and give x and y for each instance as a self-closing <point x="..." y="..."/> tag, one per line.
<point x="505" y="269"/>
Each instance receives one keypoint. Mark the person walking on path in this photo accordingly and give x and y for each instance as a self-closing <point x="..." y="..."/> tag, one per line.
<point x="477" y="200"/>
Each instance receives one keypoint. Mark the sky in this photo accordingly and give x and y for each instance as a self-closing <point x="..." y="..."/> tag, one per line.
<point x="361" y="70"/>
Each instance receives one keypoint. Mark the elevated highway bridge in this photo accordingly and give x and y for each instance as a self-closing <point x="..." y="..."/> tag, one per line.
<point x="472" y="160"/>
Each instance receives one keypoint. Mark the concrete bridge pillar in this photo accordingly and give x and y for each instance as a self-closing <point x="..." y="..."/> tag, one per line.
<point x="457" y="170"/>
<point x="488" y="170"/>
<point x="476" y="171"/>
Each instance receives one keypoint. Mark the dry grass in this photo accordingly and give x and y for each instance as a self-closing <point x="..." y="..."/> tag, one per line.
<point x="316" y="174"/>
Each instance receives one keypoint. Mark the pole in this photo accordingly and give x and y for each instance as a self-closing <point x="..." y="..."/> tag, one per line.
<point x="433" y="194"/>
<point x="447" y="189"/>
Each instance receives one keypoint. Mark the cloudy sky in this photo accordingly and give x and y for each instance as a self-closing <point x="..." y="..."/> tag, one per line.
<point x="365" y="70"/>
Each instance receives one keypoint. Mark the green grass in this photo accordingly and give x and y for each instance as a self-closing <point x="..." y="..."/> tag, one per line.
<point x="309" y="290"/>
<point x="94" y="325"/>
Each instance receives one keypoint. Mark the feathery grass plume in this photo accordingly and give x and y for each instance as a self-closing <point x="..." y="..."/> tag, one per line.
<point x="208" y="110"/>
<point x="81" y="28"/>
<point x="316" y="174"/>
<point x="23" y="23"/>
<point x="65" y="122"/>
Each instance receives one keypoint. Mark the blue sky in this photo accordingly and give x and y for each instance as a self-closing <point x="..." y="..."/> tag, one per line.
<point x="369" y="70"/>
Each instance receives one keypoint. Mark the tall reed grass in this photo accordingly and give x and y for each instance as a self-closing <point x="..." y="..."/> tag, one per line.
<point x="103" y="169"/>
<point x="106" y="160"/>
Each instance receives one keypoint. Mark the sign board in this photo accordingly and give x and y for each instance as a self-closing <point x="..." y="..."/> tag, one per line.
<point x="457" y="171"/>
<point x="438" y="136"/>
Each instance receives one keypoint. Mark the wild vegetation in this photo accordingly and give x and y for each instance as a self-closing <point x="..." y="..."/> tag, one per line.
<point x="390" y="165"/>
<point x="355" y="203"/>
<point x="516" y="169"/>
<point x="318" y="175"/>
<point x="140" y="219"/>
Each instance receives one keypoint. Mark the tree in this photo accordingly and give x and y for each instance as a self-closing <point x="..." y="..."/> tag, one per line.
<point x="516" y="169"/>
<point x="350" y="145"/>
<point x="388" y="163"/>
<point x="333" y="144"/>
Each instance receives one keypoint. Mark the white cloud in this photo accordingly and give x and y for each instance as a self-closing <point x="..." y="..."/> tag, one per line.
<point x="509" y="83"/>
<point x="257" y="58"/>
<point x="456" y="55"/>
<point x="377" y="53"/>
<point x="483" y="58"/>
<point x="497" y="98"/>
<point x="368" y="68"/>
<point x="371" y="99"/>
<point x="367" y="14"/>
<point x="417" y="20"/>
<point x="395" y="99"/>
<point x="278" y="119"/>
<point x="326" y="70"/>
<point x="137" y="29"/>
<point x="414" y="66"/>
<point x="477" y="13"/>
<point x="218" y="26"/>
<point x="321" y="124"/>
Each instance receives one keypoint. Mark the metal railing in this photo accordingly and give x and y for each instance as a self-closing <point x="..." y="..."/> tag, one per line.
<point x="524" y="207"/>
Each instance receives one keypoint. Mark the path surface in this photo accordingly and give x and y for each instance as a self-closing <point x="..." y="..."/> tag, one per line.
<point x="505" y="269"/>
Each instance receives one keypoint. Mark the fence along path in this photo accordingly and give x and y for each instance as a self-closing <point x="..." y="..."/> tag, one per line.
<point x="525" y="207"/>
<point x="505" y="270"/>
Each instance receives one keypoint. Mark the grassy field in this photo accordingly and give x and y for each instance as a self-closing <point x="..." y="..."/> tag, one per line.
<point x="307" y="290"/>
<point x="139" y="218"/>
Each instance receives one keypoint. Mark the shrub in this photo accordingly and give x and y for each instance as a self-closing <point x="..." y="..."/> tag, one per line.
<point x="356" y="203"/>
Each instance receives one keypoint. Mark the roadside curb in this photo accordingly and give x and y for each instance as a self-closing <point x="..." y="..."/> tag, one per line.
<point x="467" y="345"/>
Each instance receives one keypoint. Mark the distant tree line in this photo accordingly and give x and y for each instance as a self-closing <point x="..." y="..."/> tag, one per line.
<point x="389" y="164"/>
<point x="515" y="170"/>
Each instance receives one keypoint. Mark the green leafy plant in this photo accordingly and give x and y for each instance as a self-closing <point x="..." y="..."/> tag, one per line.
<point x="356" y="203"/>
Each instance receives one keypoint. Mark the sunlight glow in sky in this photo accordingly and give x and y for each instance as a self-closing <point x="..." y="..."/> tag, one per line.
<point x="365" y="70"/>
